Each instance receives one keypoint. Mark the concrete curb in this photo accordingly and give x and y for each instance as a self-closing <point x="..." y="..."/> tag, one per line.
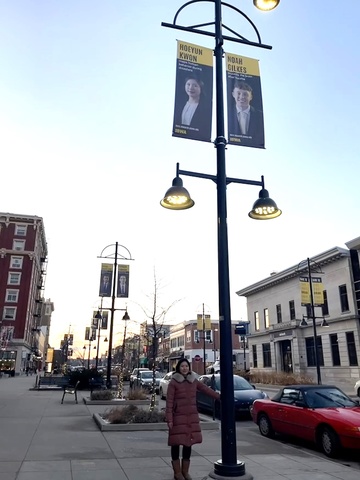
<point x="117" y="402"/>
<point x="137" y="427"/>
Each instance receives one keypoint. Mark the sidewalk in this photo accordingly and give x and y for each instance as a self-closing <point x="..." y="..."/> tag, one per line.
<point x="44" y="440"/>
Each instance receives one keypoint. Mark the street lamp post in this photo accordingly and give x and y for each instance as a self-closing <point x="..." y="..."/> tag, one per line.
<point x="316" y="268"/>
<point x="114" y="256"/>
<point x="177" y="198"/>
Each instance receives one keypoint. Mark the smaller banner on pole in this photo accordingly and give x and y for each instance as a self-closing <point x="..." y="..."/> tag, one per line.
<point x="318" y="291"/>
<point x="104" y="319"/>
<point x="193" y="92"/>
<point x="106" y="280"/>
<point x="305" y="291"/>
<point x="87" y="333"/>
<point x="123" y="281"/>
<point x="244" y="102"/>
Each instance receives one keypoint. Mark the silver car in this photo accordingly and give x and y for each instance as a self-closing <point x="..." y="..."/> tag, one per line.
<point x="164" y="383"/>
<point x="145" y="380"/>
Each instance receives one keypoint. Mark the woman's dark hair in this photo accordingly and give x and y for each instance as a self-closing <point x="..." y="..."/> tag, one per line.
<point x="182" y="360"/>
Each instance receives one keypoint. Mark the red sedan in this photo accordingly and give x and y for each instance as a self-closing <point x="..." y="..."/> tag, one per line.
<point x="318" y="413"/>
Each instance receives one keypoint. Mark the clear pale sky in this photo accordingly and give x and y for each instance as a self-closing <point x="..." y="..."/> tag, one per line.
<point x="86" y="108"/>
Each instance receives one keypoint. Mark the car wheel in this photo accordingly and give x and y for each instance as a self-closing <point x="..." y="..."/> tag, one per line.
<point x="329" y="442"/>
<point x="265" y="427"/>
<point x="162" y="394"/>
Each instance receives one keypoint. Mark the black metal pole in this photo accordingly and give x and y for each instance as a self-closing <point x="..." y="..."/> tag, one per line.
<point x="317" y="360"/>
<point x="89" y="354"/>
<point x="228" y="465"/>
<point x="108" y="371"/>
<point x="203" y="327"/>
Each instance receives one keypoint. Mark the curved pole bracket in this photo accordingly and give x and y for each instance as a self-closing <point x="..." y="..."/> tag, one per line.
<point x="238" y="38"/>
<point x="125" y="256"/>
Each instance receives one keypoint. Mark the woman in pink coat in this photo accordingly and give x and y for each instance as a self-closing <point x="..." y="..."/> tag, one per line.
<point x="182" y="416"/>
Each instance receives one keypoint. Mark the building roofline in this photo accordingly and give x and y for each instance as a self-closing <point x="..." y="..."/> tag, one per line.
<point x="324" y="258"/>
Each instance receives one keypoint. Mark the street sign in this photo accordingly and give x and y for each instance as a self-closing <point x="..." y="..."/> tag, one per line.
<point x="197" y="358"/>
<point x="240" y="329"/>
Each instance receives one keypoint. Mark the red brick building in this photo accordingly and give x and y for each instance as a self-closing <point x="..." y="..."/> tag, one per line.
<point x="23" y="257"/>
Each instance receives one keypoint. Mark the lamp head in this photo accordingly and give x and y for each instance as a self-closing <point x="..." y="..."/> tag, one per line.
<point x="266" y="5"/>
<point x="126" y="316"/>
<point x="98" y="315"/>
<point x="106" y="339"/>
<point x="324" y="323"/>
<point x="177" y="197"/>
<point x="264" y="208"/>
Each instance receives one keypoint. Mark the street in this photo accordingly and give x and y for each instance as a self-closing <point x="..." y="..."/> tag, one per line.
<point x="247" y="434"/>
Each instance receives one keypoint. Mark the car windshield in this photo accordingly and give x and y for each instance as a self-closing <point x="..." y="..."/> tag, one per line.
<point x="150" y="375"/>
<point x="328" y="397"/>
<point x="239" y="383"/>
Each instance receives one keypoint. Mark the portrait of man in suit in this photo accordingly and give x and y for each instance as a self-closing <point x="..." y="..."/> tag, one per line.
<point x="122" y="290"/>
<point x="105" y="285"/>
<point x="244" y="121"/>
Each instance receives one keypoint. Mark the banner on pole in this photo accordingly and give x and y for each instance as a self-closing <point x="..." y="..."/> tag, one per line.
<point x="318" y="291"/>
<point x="106" y="280"/>
<point x="244" y="102"/>
<point x="123" y="281"/>
<point x="193" y="92"/>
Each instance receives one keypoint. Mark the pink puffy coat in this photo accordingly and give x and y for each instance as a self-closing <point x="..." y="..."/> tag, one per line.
<point x="181" y="409"/>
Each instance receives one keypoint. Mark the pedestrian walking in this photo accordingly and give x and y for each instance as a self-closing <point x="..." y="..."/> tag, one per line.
<point x="182" y="416"/>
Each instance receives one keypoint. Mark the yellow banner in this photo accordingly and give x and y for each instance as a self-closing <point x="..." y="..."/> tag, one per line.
<point x="240" y="64"/>
<point x="203" y="322"/>
<point x="305" y="291"/>
<point x="194" y="54"/>
<point x="318" y="291"/>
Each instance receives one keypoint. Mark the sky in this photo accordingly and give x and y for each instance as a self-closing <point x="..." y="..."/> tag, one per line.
<point x="86" y="110"/>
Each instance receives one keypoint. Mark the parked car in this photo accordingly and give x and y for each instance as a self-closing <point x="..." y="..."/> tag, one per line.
<point x="321" y="414"/>
<point x="244" y="394"/>
<point x="135" y="374"/>
<point x="164" y="383"/>
<point x="357" y="388"/>
<point x="145" y="380"/>
<point x="215" y="366"/>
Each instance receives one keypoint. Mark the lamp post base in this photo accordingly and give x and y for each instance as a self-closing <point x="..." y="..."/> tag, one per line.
<point x="223" y="472"/>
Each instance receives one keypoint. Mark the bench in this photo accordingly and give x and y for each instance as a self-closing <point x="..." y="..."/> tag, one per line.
<point x="52" y="381"/>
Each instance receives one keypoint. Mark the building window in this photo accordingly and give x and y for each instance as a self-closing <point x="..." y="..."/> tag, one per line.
<point x="196" y="336"/>
<point x="188" y="334"/>
<point x="9" y="313"/>
<point x="278" y="313"/>
<point x="292" y="310"/>
<point x="19" y="245"/>
<point x="266" y="355"/>
<point x="351" y="347"/>
<point x="325" y="306"/>
<point x="16" y="262"/>
<point x="254" y="352"/>
<point x="309" y="312"/>
<point x="344" y="302"/>
<point x="310" y="351"/>
<point x="266" y="318"/>
<point x="20" y="230"/>
<point x="334" y="344"/>
<point x="14" y="278"/>
<point x="12" y="296"/>
<point x="257" y="321"/>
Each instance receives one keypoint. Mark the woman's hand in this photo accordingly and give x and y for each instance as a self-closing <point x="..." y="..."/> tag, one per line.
<point x="170" y="425"/>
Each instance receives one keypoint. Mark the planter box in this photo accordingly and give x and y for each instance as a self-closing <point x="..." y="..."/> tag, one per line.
<point x="117" y="402"/>
<point x="136" y="427"/>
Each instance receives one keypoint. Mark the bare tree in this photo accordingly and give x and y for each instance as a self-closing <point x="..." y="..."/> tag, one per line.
<point x="156" y="316"/>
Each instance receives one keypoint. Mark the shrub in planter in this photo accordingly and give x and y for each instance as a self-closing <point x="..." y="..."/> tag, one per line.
<point x="102" y="395"/>
<point x="133" y="414"/>
<point x="136" y="394"/>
